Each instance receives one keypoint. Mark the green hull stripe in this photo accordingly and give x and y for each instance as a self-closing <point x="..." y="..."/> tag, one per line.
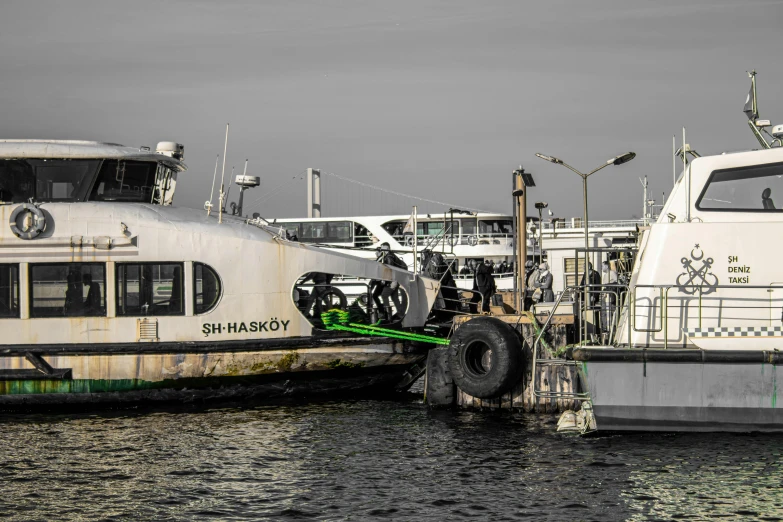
<point x="33" y="387"/>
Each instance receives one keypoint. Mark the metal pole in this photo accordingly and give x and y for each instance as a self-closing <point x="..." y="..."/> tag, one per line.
<point x="415" y="238"/>
<point x="515" y="260"/>
<point x="242" y="189"/>
<point x="212" y="194"/>
<point x="587" y="246"/>
<point x="222" y="177"/>
<point x="687" y="180"/>
<point x="521" y="246"/>
<point x="540" y="237"/>
<point x="674" y="161"/>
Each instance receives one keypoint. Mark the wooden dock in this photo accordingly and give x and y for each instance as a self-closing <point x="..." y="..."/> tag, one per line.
<point x="440" y="390"/>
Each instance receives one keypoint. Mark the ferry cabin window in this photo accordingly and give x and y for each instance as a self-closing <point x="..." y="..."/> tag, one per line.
<point x="150" y="289"/>
<point x="9" y="291"/>
<point x="292" y="229"/>
<point x="46" y="179"/>
<point x="430" y="228"/>
<point x="313" y="232"/>
<point x="68" y="290"/>
<point x="495" y="227"/>
<point x="394" y="228"/>
<point x="326" y="232"/>
<point x="339" y="231"/>
<point x="468" y="227"/>
<point x="362" y="236"/>
<point x="130" y="181"/>
<point x="756" y="188"/>
<point x="207" y="288"/>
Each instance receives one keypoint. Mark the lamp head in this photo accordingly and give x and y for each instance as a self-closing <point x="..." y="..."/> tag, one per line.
<point x="622" y="158"/>
<point x="542" y="205"/>
<point x="518" y="193"/>
<point x="550" y="159"/>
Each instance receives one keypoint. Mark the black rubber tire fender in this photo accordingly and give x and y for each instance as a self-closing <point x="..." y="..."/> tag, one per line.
<point x="485" y="357"/>
<point x="327" y="299"/>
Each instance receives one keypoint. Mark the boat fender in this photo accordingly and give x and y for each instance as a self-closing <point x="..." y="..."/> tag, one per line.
<point x="37" y="225"/>
<point x="333" y="297"/>
<point x="485" y="357"/>
<point x="472" y="240"/>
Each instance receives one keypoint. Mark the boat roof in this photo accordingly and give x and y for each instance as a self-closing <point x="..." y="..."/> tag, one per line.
<point x="77" y="149"/>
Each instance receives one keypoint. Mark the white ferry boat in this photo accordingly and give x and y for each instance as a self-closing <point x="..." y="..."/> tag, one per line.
<point x="108" y="293"/>
<point x="466" y="239"/>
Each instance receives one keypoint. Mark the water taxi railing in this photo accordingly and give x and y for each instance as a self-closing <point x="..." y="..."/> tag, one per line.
<point x="698" y="292"/>
<point x="566" y="225"/>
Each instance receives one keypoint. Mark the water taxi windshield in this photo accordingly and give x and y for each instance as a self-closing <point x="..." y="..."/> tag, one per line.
<point x="745" y="189"/>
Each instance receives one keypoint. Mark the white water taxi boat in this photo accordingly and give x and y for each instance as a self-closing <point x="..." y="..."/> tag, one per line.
<point x="701" y="324"/>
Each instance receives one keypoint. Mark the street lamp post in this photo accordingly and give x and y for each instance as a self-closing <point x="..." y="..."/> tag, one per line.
<point x="519" y="238"/>
<point x="541" y="205"/>
<point x="617" y="160"/>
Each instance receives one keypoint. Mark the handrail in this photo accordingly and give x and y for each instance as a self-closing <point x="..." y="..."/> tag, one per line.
<point x="632" y="313"/>
<point x="553" y="395"/>
<point x="461" y="301"/>
<point x="696" y="288"/>
<point x="564" y="225"/>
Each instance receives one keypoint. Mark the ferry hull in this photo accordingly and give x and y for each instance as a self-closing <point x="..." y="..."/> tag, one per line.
<point x="187" y="372"/>
<point x="682" y="390"/>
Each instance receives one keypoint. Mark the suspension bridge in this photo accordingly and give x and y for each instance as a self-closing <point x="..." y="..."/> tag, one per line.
<point x="343" y="196"/>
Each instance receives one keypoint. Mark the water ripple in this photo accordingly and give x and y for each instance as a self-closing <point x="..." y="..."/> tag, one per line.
<point x="372" y="460"/>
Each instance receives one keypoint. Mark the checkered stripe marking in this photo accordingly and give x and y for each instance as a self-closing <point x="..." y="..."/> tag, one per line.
<point x="735" y="331"/>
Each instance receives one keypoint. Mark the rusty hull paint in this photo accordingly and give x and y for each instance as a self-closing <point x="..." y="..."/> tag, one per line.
<point x="127" y="372"/>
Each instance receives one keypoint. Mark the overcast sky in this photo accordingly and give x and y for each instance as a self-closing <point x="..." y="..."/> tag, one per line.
<point x="438" y="99"/>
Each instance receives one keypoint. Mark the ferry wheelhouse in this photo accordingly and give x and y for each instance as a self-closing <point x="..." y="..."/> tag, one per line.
<point x="109" y="293"/>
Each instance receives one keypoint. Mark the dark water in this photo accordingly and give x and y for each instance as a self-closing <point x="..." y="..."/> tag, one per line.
<point x="367" y="460"/>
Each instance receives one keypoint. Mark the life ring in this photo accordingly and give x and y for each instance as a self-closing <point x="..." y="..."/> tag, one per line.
<point x="485" y="357"/>
<point x="408" y="240"/>
<point x="472" y="240"/>
<point x="452" y="240"/>
<point x="38" y="221"/>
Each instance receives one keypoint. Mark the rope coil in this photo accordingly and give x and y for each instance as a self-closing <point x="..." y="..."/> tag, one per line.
<point x="342" y="320"/>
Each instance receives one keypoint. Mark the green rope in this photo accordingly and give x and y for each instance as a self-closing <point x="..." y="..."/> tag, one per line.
<point x="537" y="328"/>
<point x="344" y="320"/>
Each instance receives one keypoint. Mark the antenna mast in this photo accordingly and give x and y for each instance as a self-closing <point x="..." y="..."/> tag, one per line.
<point x="212" y="192"/>
<point x="222" y="177"/>
<point x="674" y="160"/>
<point x="687" y="179"/>
<point x="645" y="212"/>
